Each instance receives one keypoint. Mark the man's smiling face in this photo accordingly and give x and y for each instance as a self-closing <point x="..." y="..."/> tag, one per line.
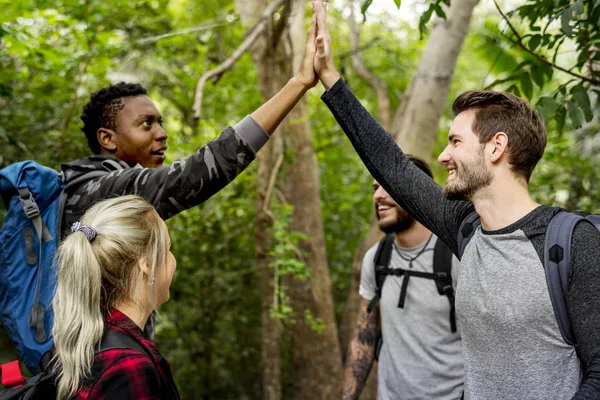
<point x="464" y="159"/>
<point x="391" y="217"/>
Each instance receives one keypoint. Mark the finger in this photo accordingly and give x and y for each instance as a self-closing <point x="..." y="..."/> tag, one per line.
<point x="312" y="31"/>
<point x="320" y="12"/>
<point x="320" y="44"/>
<point x="324" y="7"/>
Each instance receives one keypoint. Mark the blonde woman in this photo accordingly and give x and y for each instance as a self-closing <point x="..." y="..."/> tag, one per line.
<point x="113" y="271"/>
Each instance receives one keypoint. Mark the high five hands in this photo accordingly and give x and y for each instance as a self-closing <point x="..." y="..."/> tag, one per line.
<point x="323" y="62"/>
<point x="317" y="62"/>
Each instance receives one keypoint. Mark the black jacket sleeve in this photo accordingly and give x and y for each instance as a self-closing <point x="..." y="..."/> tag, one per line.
<point x="410" y="187"/>
<point x="177" y="187"/>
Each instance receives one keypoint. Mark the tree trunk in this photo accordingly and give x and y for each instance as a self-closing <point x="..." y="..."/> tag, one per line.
<point x="263" y="57"/>
<point x="416" y="120"/>
<point x="316" y="357"/>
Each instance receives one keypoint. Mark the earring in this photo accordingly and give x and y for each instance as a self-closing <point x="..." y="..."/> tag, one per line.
<point x="151" y="281"/>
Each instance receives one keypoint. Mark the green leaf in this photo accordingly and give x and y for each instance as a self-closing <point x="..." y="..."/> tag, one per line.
<point x="583" y="101"/>
<point x="397" y="2"/>
<point x="438" y="10"/>
<point x="515" y="90"/>
<point x="548" y="105"/>
<point x="578" y="7"/>
<point x="565" y="18"/>
<point x="526" y="85"/>
<point x="575" y="114"/>
<point x="364" y="7"/>
<point x="537" y="74"/>
<point x="534" y="42"/>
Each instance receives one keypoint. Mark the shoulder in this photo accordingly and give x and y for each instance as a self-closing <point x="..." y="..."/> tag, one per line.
<point x="585" y="245"/>
<point x="125" y="374"/>
<point x="370" y="254"/>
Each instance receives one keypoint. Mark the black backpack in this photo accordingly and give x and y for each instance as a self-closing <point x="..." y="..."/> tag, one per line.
<point x="42" y="385"/>
<point x="557" y="259"/>
<point x="442" y="266"/>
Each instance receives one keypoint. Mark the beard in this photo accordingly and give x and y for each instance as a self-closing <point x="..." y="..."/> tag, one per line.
<point x="473" y="176"/>
<point x="400" y="223"/>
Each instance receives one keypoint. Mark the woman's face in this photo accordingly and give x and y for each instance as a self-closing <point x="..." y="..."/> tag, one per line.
<point x="164" y="275"/>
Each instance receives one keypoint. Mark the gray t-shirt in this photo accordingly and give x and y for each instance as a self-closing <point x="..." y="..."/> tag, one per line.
<point x="421" y="358"/>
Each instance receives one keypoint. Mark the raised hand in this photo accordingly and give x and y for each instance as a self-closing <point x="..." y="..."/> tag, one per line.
<point x="323" y="63"/>
<point x="306" y="75"/>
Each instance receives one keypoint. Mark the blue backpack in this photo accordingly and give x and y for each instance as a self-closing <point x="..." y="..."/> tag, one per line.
<point x="557" y="259"/>
<point x="35" y="197"/>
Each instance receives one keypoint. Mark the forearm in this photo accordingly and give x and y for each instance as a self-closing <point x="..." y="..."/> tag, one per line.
<point x="361" y="352"/>
<point x="271" y="113"/>
<point x="359" y="362"/>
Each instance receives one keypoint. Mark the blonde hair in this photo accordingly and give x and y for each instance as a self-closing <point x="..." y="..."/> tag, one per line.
<point x="93" y="277"/>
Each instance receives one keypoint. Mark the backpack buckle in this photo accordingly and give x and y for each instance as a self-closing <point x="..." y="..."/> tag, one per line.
<point x="29" y="206"/>
<point x="448" y="289"/>
<point x="441" y="276"/>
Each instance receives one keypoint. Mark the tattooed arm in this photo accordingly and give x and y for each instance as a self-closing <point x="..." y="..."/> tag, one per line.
<point x="361" y="352"/>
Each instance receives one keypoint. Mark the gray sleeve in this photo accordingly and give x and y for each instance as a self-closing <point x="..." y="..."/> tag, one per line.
<point x="368" y="287"/>
<point x="410" y="187"/>
<point x="252" y="133"/>
<point x="583" y="305"/>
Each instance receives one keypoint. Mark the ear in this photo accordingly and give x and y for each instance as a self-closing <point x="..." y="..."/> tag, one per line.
<point x="497" y="146"/>
<point x="148" y="273"/>
<point x="143" y="265"/>
<point x="107" y="139"/>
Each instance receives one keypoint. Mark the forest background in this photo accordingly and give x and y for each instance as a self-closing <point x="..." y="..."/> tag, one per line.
<point x="264" y="298"/>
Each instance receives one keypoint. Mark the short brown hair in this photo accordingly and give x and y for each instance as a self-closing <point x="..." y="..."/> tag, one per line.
<point x="504" y="112"/>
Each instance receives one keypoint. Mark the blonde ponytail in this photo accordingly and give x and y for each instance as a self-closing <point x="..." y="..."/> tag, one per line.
<point x="93" y="276"/>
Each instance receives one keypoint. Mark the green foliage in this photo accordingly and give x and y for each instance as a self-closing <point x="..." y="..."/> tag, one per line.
<point x="435" y="7"/>
<point x="550" y="37"/>
<point x="54" y="53"/>
<point x="316" y="324"/>
<point x="286" y="259"/>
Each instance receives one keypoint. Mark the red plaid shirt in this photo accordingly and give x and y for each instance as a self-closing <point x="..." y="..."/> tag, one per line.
<point x="126" y="374"/>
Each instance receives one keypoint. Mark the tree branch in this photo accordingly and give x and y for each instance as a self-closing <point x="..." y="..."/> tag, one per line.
<point x="359" y="49"/>
<point x="209" y="25"/>
<point x="519" y="42"/>
<point x="271" y="184"/>
<point x="282" y="23"/>
<point x="216" y="73"/>
<point x="378" y="85"/>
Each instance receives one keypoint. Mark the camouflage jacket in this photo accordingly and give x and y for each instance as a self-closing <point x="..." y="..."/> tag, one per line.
<point x="171" y="188"/>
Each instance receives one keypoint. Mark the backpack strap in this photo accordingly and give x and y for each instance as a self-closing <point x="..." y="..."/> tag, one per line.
<point x="113" y="339"/>
<point x="442" y="267"/>
<point x="557" y="260"/>
<point x="381" y="263"/>
<point x="594" y="219"/>
<point x="466" y="231"/>
<point x="32" y="211"/>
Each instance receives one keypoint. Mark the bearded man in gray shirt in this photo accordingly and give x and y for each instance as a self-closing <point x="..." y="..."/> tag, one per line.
<point x="420" y="356"/>
<point x="512" y="343"/>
